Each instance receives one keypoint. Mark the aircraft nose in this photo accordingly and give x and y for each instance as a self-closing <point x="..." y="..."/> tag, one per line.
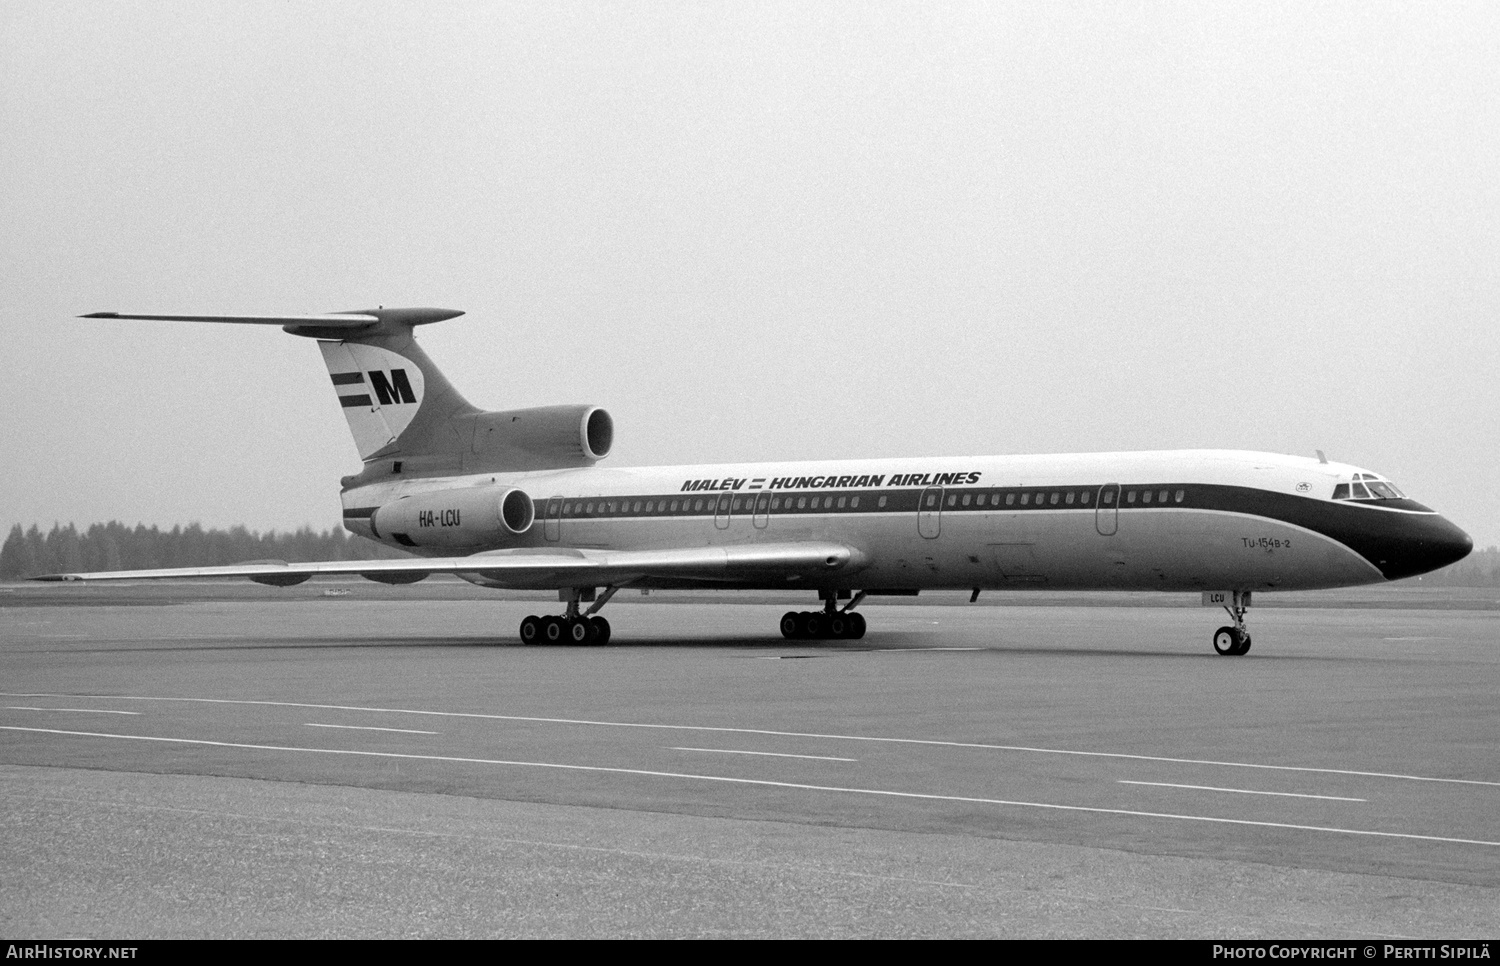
<point x="1431" y="543"/>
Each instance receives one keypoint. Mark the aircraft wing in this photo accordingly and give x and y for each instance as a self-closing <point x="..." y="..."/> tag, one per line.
<point x="543" y="568"/>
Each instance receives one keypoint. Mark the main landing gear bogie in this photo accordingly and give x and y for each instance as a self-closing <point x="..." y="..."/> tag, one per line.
<point x="817" y="625"/>
<point x="565" y="630"/>
<point x="573" y="626"/>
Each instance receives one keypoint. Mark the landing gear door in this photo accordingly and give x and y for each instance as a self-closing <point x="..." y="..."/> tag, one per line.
<point x="552" y="520"/>
<point x="930" y="512"/>
<point x="1107" y="510"/>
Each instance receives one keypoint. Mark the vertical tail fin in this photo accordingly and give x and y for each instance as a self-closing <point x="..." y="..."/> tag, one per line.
<point x="395" y="398"/>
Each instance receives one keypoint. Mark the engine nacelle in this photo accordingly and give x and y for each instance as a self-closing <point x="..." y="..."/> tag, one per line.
<point x="466" y="518"/>
<point x="547" y="437"/>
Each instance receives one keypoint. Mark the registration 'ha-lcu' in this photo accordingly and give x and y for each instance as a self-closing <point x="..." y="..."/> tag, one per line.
<point x="515" y="499"/>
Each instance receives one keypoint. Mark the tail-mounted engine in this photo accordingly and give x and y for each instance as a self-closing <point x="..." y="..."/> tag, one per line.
<point x="460" y="519"/>
<point x="548" y="437"/>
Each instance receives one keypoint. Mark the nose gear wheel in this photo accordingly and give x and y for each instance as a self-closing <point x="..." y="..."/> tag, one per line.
<point x="1234" y="640"/>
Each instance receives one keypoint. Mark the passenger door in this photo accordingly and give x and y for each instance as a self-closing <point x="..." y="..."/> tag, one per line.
<point x="930" y="512"/>
<point x="1107" y="510"/>
<point x="761" y="517"/>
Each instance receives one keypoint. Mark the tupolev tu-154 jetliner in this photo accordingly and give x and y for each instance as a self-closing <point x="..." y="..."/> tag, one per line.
<point x="514" y="499"/>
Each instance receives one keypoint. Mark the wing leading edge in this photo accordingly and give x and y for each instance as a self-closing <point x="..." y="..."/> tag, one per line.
<point x="541" y="569"/>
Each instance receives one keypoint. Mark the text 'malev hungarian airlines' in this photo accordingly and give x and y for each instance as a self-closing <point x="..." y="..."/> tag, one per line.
<point x="515" y="499"/>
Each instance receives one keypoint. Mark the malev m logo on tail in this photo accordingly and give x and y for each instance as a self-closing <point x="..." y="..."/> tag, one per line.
<point x="380" y="391"/>
<point x="391" y="387"/>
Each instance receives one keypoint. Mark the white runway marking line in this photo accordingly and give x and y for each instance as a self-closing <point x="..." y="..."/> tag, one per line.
<point x="404" y="731"/>
<point x="766" y="783"/>
<point x="17" y="707"/>
<point x="768" y="754"/>
<point x="1241" y="791"/>
<point x="927" y="742"/>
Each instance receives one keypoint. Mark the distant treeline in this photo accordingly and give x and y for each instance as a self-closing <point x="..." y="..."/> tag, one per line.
<point x="1479" y="569"/>
<point x="114" y="546"/>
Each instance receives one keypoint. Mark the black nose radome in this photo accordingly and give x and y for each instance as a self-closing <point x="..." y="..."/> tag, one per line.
<point x="1425" y="544"/>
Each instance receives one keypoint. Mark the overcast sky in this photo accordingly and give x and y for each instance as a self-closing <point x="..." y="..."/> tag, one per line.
<point x="752" y="231"/>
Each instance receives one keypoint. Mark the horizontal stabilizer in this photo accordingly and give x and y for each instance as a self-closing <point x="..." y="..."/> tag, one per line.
<point x="337" y="320"/>
<point x="545" y="569"/>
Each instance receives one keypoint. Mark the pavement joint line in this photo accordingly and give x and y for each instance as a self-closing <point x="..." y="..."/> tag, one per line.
<point x="767" y="754"/>
<point x="930" y="742"/>
<point x="1240" y="791"/>
<point x="767" y="783"/>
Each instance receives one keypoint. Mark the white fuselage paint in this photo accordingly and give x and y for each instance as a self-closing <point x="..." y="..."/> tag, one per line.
<point x="1170" y="547"/>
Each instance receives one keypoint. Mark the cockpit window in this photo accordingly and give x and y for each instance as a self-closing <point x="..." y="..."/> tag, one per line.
<point x="1367" y="486"/>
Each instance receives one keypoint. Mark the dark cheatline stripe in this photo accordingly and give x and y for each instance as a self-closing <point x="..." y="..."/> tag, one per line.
<point x="347" y="378"/>
<point x="1398" y="544"/>
<point x="350" y="401"/>
<point x="360" y="512"/>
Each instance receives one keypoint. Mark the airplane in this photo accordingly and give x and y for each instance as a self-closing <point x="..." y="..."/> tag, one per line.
<point x="515" y="499"/>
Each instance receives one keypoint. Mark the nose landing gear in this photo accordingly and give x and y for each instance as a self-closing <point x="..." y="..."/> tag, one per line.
<point x="1234" y="641"/>
<point x="572" y="627"/>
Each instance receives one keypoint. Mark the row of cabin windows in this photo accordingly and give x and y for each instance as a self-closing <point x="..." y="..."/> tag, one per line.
<point x="738" y="504"/>
<point x="763" y="502"/>
<point x="1061" y="498"/>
